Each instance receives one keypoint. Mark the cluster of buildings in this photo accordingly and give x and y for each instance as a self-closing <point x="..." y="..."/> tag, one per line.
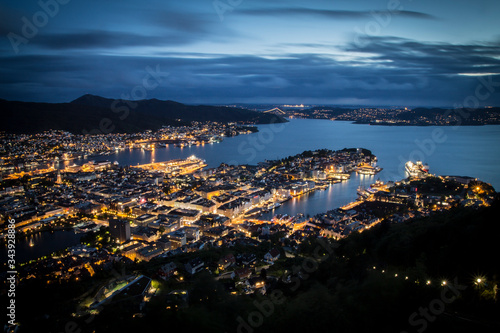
<point x="179" y="188"/>
<point x="395" y="116"/>
<point x="360" y="114"/>
<point x="22" y="154"/>
<point x="176" y="209"/>
<point x="401" y="201"/>
<point x="172" y="208"/>
<point x="79" y="263"/>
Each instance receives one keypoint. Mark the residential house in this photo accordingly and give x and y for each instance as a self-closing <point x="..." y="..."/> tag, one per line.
<point x="272" y="255"/>
<point x="167" y="270"/>
<point x="226" y="262"/>
<point x="194" y="266"/>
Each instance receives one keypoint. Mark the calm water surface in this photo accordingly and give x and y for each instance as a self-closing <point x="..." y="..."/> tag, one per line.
<point x="468" y="151"/>
<point x="44" y="243"/>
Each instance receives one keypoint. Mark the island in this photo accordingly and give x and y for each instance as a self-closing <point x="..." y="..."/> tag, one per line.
<point x="394" y="116"/>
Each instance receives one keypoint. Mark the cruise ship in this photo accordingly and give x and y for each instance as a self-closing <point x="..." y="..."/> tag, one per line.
<point x="416" y="169"/>
<point x="368" y="170"/>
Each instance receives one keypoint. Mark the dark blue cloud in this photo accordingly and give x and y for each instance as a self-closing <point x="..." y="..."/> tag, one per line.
<point x="408" y="72"/>
<point x="431" y="58"/>
<point x="105" y="40"/>
<point x="256" y="54"/>
<point x="328" y="13"/>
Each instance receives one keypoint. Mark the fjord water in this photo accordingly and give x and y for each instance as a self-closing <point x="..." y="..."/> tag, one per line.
<point x="449" y="150"/>
<point x="467" y="151"/>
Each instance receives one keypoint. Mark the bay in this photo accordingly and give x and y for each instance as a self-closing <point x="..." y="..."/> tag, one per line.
<point x="43" y="243"/>
<point x="466" y="151"/>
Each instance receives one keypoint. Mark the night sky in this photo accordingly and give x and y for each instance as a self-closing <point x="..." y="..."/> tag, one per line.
<point x="341" y="52"/>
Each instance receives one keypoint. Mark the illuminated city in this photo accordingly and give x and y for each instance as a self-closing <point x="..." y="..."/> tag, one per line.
<point x="250" y="166"/>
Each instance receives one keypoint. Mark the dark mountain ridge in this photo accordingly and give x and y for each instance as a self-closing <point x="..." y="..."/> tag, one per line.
<point x="95" y="114"/>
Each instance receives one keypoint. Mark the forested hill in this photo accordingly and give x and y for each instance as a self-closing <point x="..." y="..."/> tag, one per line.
<point x="434" y="274"/>
<point x="91" y="113"/>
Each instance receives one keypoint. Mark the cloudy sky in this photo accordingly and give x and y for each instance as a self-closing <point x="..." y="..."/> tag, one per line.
<point x="341" y="52"/>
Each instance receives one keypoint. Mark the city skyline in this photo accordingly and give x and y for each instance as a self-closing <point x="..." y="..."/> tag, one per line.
<point x="415" y="53"/>
<point x="250" y="166"/>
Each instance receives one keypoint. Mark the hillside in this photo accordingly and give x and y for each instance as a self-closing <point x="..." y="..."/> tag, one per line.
<point x="94" y="114"/>
<point x="402" y="117"/>
<point x="387" y="279"/>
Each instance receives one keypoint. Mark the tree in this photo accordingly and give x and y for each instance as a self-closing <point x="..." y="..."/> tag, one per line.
<point x="263" y="274"/>
<point x="166" y="189"/>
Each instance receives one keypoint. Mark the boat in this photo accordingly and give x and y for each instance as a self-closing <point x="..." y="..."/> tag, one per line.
<point x="366" y="192"/>
<point x="417" y="169"/>
<point x="362" y="193"/>
<point x="340" y="176"/>
<point x="32" y="243"/>
<point x="378" y="184"/>
<point x="273" y="206"/>
<point x="215" y="139"/>
<point x="368" y="170"/>
<point x="253" y="212"/>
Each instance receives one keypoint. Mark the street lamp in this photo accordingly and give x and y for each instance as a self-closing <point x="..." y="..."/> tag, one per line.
<point x="479" y="280"/>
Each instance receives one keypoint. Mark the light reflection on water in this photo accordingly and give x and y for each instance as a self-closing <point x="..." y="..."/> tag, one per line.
<point x="468" y="151"/>
<point x="44" y="243"/>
